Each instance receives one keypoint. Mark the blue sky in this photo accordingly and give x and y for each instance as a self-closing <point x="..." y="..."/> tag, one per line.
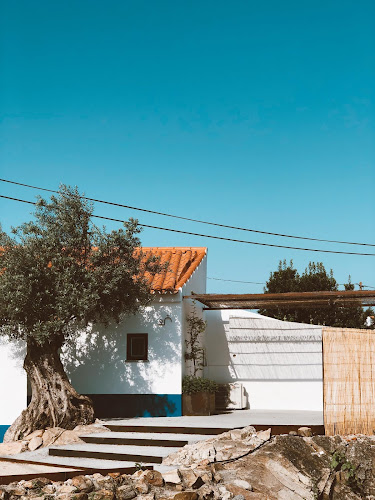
<point x="254" y="114"/>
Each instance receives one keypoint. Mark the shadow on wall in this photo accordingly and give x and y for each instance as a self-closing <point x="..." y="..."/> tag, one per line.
<point x="96" y="365"/>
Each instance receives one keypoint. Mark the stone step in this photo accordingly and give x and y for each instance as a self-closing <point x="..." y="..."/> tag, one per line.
<point x="138" y="454"/>
<point x="143" y="438"/>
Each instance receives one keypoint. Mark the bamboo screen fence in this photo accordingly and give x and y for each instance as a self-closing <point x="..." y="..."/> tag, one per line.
<point x="349" y="381"/>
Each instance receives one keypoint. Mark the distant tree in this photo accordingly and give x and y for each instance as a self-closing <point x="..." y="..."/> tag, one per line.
<point x="59" y="273"/>
<point x="314" y="279"/>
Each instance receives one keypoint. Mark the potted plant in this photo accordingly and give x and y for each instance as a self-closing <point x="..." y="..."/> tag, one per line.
<point x="198" y="395"/>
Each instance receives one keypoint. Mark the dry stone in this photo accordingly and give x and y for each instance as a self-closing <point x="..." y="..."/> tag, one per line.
<point x="153" y="477"/>
<point x="4" y="495"/>
<point x="67" y="437"/>
<point x="125" y="492"/>
<point x="186" y="495"/>
<point x="172" y="476"/>
<point x="101" y="495"/>
<point x="305" y="431"/>
<point x="50" y="435"/>
<point x="142" y="486"/>
<point x="37" y="433"/>
<point x="83" y="484"/>
<point x="13" y="447"/>
<point x="35" y="443"/>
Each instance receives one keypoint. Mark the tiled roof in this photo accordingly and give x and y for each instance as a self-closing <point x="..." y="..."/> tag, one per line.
<point x="182" y="262"/>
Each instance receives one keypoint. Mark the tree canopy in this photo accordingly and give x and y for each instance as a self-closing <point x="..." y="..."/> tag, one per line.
<point x="314" y="278"/>
<point x="60" y="273"/>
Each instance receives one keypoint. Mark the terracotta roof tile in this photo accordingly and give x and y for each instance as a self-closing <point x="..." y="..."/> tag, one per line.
<point x="182" y="262"/>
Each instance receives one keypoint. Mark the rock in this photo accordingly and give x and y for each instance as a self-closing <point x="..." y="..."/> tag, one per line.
<point x="238" y="491"/>
<point x="293" y="433"/>
<point x="242" y="484"/>
<point x="305" y="431"/>
<point x="38" y="433"/>
<point x="78" y="496"/>
<point x="50" y="435"/>
<point x="67" y="437"/>
<point x="172" y="476"/>
<point x="103" y="482"/>
<point x="125" y="492"/>
<point x="190" y="479"/>
<point x="37" y="483"/>
<point x="224" y="493"/>
<point x="239" y="497"/>
<point x="66" y="489"/>
<point x="13" y="447"/>
<point x="101" y="495"/>
<point x="264" y="435"/>
<point x="186" y="495"/>
<point x="83" y="484"/>
<point x="142" y="486"/>
<point x="89" y="429"/>
<point x="153" y="477"/>
<point x="207" y="492"/>
<point x="49" y="489"/>
<point x="150" y="496"/>
<point x="4" y="495"/>
<point x="35" y="443"/>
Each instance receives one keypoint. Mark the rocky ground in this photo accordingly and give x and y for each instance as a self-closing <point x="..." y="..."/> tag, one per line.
<point x="239" y="465"/>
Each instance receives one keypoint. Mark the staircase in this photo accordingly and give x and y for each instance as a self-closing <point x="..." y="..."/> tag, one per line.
<point x="126" y="445"/>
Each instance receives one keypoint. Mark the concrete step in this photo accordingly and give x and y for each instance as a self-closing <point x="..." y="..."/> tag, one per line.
<point x="154" y="429"/>
<point x="143" y="438"/>
<point x="138" y="454"/>
<point x="83" y="464"/>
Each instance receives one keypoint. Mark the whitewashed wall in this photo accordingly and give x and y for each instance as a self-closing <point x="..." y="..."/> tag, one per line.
<point x="279" y="363"/>
<point x="196" y="284"/>
<point x="13" y="382"/>
<point x="96" y="362"/>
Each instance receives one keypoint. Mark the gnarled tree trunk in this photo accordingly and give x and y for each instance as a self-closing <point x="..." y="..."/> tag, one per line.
<point x="54" y="402"/>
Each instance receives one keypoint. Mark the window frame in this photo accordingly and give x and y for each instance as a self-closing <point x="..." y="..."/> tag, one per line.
<point x="129" y="356"/>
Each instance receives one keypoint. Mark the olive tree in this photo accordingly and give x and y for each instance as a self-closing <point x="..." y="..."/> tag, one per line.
<point x="59" y="274"/>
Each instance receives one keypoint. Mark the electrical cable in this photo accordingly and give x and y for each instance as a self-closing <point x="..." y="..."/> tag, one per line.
<point x="214" y="237"/>
<point x="193" y="220"/>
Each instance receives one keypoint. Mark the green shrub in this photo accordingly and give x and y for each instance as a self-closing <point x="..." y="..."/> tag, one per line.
<point x="191" y="385"/>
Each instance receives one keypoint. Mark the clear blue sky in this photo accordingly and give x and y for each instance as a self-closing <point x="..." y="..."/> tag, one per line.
<point x="257" y="114"/>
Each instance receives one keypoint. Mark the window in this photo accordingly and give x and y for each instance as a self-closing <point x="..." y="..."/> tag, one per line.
<point x="137" y="347"/>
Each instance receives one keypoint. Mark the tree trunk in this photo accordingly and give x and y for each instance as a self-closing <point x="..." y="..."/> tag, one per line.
<point x="54" y="402"/>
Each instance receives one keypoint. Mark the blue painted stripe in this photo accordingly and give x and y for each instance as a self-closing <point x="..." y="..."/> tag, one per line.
<point x="3" y="429"/>
<point x="136" y="405"/>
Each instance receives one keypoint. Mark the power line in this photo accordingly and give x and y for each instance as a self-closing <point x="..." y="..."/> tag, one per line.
<point x="193" y="220"/>
<point x="213" y="237"/>
<point x="236" y="281"/>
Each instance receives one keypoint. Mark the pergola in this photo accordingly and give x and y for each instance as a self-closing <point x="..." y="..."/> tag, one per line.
<point x="213" y="301"/>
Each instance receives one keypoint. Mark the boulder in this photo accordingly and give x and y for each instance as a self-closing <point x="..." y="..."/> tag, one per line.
<point x="13" y="447"/>
<point x="125" y="492"/>
<point x="67" y="437"/>
<point x="37" y="433"/>
<point x="304" y="431"/>
<point x="172" y="476"/>
<point x="153" y="477"/>
<point x="142" y="486"/>
<point x="83" y="484"/>
<point x="101" y="495"/>
<point x="186" y="495"/>
<point x="50" y="435"/>
<point x="35" y="443"/>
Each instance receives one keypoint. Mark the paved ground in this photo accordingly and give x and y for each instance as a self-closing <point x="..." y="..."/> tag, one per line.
<point x="231" y="419"/>
<point x="14" y="469"/>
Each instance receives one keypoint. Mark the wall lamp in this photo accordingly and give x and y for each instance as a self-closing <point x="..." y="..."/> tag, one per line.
<point x="162" y="321"/>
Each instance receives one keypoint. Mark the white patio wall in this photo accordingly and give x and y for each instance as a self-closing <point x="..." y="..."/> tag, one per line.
<point x="279" y="363"/>
<point x="13" y="382"/>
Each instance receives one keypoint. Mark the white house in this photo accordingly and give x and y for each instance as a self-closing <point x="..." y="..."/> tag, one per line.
<point x="136" y="368"/>
<point x="131" y="369"/>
